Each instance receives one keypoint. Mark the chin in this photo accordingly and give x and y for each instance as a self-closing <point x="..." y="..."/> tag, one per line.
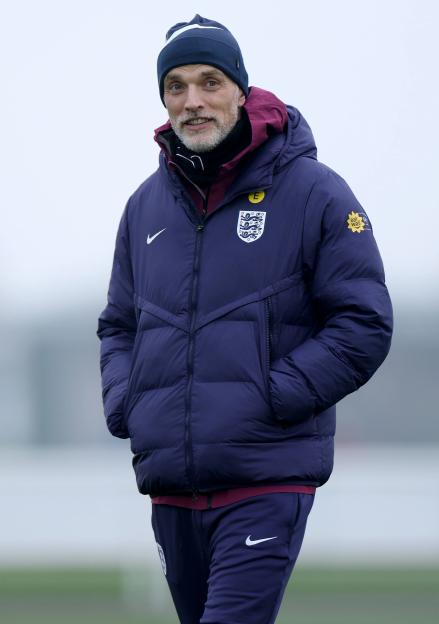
<point x="201" y="145"/>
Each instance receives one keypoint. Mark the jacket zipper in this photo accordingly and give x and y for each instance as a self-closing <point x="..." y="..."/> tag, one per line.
<point x="189" y="451"/>
<point x="268" y="338"/>
<point x="189" y="454"/>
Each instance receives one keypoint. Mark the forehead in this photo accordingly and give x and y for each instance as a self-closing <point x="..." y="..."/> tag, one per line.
<point x="192" y="72"/>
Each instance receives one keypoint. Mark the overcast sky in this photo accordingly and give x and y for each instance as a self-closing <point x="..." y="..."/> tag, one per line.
<point x="80" y="102"/>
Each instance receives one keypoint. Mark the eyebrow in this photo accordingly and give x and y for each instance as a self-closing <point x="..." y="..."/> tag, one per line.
<point x="204" y="74"/>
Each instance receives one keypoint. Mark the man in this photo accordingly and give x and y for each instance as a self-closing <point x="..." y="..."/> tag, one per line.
<point x="247" y="297"/>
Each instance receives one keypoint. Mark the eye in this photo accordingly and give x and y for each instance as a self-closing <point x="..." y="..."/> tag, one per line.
<point x="211" y="83"/>
<point x="174" y="87"/>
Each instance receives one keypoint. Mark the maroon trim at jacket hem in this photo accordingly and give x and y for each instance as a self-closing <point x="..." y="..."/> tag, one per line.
<point x="227" y="497"/>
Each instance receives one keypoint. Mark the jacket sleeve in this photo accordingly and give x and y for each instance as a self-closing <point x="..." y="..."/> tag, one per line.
<point x="117" y="329"/>
<point x="350" y="301"/>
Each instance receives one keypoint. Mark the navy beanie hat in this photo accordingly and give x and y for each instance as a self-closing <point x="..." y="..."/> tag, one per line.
<point x="202" y="41"/>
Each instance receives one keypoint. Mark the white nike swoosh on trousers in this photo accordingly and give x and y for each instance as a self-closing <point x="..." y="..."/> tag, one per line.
<point x="149" y="238"/>
<point x="250" y="542"/>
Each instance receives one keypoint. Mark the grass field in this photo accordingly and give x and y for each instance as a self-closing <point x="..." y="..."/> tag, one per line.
<point x="314" y="596"/>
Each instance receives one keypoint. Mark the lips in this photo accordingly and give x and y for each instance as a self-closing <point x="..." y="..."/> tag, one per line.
<point x="197" y="121"/>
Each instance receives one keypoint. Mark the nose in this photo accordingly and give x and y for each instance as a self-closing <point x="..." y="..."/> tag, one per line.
<point x="193" y="100"/>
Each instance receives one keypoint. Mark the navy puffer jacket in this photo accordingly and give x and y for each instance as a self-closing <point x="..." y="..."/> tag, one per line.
<point x="227" y="340"/>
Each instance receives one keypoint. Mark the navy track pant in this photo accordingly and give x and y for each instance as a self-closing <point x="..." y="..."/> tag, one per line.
<point x="231" y="565"/>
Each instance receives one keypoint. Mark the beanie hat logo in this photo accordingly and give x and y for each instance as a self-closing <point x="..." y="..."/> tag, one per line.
<point x="185" y="29"/>
<point x="202" y="41"/>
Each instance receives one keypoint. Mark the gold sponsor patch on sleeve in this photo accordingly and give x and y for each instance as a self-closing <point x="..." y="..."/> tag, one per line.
<point x="355" y="222"/>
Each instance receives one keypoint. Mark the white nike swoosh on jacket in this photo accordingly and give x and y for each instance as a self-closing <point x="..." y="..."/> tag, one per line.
<point x="149" y="238"/>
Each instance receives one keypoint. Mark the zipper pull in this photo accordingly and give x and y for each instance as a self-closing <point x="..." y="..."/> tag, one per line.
<point x="200" y="227"/>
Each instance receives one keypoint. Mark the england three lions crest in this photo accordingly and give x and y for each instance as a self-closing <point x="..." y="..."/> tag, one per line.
<point x="250" y="225"/>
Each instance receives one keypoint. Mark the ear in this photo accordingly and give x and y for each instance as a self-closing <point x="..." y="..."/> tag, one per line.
<point x="241" y="100"/>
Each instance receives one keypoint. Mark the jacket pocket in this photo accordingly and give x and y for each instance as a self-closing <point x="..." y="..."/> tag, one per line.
<point x="268" y="350"/>
<point x="267" y="343"/>
<point x="129" y="390"/>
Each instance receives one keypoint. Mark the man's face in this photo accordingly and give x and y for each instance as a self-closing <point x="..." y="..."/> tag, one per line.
<point x="203" y="105"/>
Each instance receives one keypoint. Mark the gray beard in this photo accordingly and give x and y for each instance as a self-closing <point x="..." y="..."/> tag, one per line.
<point x="200" y="147"/>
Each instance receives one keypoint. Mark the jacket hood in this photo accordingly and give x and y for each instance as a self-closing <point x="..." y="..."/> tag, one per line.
<point x="270" y="117"/>
<point x="299" y="139"/>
